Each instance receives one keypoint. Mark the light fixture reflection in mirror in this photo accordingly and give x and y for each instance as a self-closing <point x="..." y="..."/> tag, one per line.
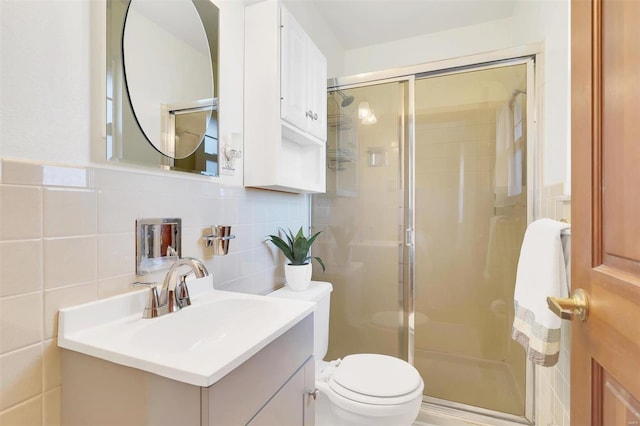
<point x="161" y="84"/>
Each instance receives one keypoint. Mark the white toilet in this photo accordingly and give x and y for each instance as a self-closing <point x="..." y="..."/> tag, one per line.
<point x="360" y="389"/>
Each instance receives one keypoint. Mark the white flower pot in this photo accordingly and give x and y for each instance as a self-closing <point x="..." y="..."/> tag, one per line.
<point x="298" y="276"/>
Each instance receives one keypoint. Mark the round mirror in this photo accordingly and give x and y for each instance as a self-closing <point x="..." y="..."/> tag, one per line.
<point x="168" y="74"/>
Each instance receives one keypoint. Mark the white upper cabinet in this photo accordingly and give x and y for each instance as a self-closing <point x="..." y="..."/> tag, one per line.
<point x="318" y="92"/>
<point x="303" y="81"/>
<point x="285" y="103"/>
<point x="294" y="104"/>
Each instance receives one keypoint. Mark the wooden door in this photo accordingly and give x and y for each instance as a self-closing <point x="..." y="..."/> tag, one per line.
<point x="605" y="359"/>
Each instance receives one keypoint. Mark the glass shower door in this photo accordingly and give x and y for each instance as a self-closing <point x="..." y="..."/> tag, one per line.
<point x="359" y="215"/>
<point x="428" y="197"/>
<point x="470" y="193"/>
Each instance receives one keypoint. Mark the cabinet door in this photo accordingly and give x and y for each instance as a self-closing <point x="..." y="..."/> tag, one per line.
<point x="317" y="92"/>
<point x="292" y="405"/>
<point x="293" y="76"/>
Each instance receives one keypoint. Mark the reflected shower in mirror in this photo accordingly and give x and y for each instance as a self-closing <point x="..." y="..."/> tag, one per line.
<point x="162" y="107"/>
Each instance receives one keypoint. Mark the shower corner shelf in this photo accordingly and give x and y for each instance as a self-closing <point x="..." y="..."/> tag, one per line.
<point x="342" y="155"/>
<point x="339" y="121"/>
<point x="336" y="157"/>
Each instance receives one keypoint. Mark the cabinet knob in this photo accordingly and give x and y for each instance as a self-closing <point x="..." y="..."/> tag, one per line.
<point x="315" y="116"/>
<point x="313" y="393"/>
<point x="309" y="114"/>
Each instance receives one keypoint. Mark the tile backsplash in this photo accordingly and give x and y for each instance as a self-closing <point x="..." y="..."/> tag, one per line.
<point x="67" y="236"/>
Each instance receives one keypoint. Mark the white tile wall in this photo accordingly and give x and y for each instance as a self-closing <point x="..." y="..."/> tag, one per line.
<point x="553" y="394"/>
<point x="21" y="375"/>
<point x="21" y="212"/>
<point x="26" y="413"/>
<point x="69" y="212"/>
<point x="51" y="407"/>
<point x="22" y="273"/>
<point x="69" y="261"/>
<point x="67" y="237"/>
<point x="21" y="321"/>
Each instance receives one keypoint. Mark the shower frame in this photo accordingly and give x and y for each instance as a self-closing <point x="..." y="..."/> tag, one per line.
<point x="530" y="55"/>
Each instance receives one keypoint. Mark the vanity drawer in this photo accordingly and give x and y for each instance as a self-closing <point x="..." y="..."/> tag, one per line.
<point x="293" y="404"/>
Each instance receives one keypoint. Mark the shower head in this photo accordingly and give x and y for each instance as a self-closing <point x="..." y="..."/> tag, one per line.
<point x="346" y="100"/>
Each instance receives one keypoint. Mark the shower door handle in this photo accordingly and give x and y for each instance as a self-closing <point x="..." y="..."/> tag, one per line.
<point x="408" y="237"/>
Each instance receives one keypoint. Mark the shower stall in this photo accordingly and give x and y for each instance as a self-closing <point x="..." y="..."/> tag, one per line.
<point x="429" y="191"/>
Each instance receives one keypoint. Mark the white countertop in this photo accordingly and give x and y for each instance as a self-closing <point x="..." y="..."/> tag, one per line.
<point x="198" y="345"/>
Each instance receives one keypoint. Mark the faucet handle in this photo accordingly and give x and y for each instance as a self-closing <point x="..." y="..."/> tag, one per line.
<point x="143" y="284"/>
<point x="151" y="310"/>
<point x="182" y="291"/>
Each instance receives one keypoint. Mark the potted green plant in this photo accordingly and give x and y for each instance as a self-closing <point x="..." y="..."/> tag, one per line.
<point x="295" y="248"/>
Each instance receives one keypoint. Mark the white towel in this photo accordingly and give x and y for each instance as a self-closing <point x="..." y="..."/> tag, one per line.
<point x="541" y="273"/>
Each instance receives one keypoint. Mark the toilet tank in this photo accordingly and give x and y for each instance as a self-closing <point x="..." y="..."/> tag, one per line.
<point x="319" y="292"/>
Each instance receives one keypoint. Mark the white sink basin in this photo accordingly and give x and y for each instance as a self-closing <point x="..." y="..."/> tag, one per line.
<point x="198" y="345"/>
<point x="204" y="326"/>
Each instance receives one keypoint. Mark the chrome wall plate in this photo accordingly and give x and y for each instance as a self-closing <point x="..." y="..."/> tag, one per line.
<point x="158" y="244"/>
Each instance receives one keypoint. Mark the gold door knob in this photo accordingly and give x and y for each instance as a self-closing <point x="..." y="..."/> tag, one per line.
<point x="575" y="306"/>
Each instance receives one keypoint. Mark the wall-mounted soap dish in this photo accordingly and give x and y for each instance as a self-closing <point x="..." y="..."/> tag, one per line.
<point x="219" y="239"/>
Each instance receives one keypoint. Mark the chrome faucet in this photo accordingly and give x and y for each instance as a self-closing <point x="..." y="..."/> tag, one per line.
<point x="174" y="294"/>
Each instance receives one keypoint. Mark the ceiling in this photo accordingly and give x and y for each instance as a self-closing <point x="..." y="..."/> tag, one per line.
<point x="359" y="23"/>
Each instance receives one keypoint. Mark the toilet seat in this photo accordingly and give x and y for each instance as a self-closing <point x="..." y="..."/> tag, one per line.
<point x="376" y="380"/>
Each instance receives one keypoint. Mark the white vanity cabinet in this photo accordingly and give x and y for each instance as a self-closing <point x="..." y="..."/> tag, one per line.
<point x="285" y="103"/>
<point x="271" y="387"/>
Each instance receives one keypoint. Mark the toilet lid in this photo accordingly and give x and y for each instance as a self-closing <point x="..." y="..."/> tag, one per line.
<point x="362" y="377"/>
